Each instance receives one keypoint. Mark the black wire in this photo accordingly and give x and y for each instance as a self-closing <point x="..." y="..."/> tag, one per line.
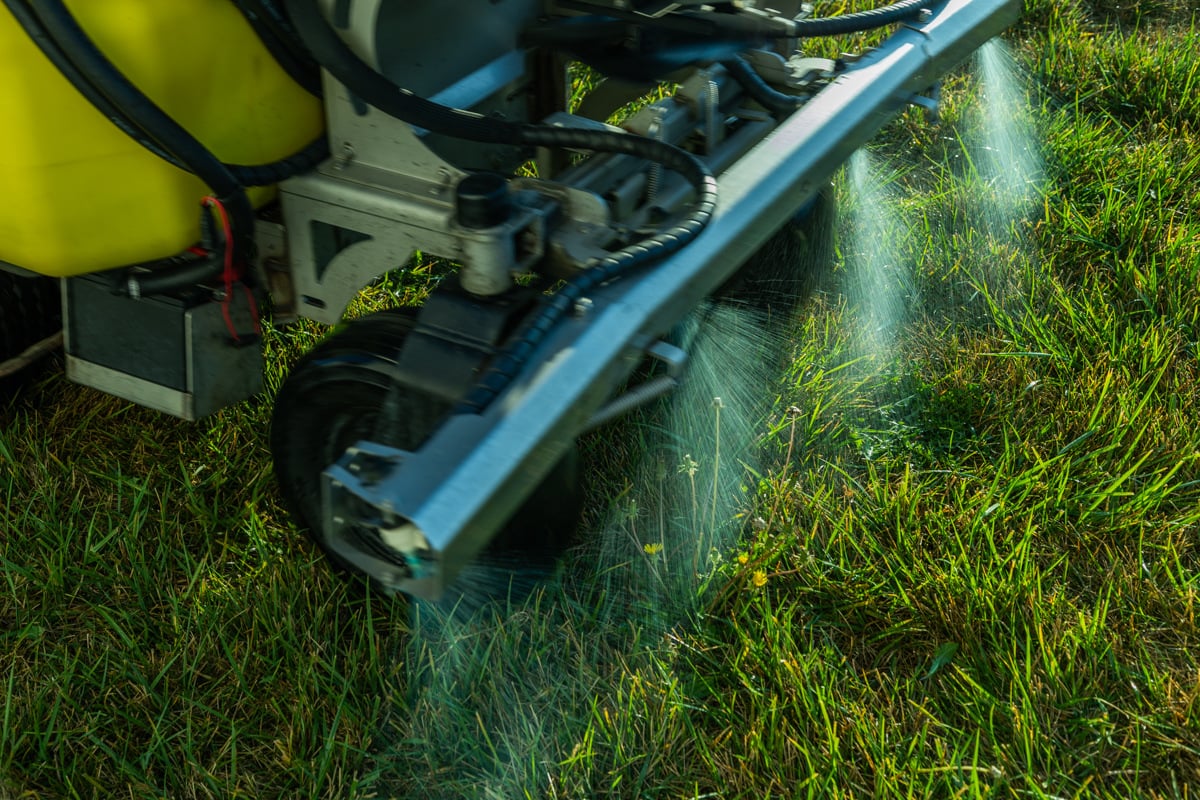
<point x="378" y="91"/>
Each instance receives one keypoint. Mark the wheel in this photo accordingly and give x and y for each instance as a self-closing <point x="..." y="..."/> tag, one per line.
<point x="790" y="266"/>
<point x="30" y="311"/>
<point x="336" y="395"/>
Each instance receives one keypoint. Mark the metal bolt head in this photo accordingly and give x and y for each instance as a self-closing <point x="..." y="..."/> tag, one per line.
<point x="344" y="157"/>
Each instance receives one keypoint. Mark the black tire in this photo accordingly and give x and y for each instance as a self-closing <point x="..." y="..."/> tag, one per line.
<point x="790" y="266"/>
<point x="334" y="397"/>
<point x="30" y="311"/>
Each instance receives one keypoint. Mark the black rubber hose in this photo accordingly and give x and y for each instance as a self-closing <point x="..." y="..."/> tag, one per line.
<point x="37" y="34"/>
<point x="146" y="115"/>
<point x="301" y="69"/>
<point x="376" y="90"/>
<point x="171" y="273"/>
<point x="247" y="175"/>
<point x="167" y="275"/>
<point x="277" y="19"/>
<point x="777" y="102"/>
<point x="512" y="358"/>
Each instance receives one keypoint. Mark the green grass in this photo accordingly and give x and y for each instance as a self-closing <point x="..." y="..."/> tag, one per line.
<point x="963" y="565"/>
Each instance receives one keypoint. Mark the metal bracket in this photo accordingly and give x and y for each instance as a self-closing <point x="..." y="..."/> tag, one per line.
<point x="931" y="101"/>
<point x="675" y="360"/>
<point x="456" y="332"/>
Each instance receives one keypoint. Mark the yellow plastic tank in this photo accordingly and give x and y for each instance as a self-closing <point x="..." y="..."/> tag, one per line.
<point x="76" y="194"/>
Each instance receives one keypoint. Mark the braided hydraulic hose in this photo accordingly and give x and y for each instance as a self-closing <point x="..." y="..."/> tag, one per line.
<point x="752" y="27"/>
<point x="702" y="25"/>
<point x="859" y="21"/>
<point x="380" y="92"/>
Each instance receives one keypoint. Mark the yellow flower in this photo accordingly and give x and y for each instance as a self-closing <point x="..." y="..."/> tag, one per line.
<point x="759" y="579"/>
<point x="743" y="558"/>
<point x="652" y="548"/>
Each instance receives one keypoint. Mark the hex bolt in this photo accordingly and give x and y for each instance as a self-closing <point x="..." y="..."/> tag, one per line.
<point x="343" y="158"/>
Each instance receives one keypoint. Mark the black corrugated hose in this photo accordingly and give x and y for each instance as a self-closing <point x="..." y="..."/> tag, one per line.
<point x="376" y="90"/>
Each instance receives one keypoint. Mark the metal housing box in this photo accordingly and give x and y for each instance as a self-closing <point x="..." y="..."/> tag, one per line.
<point x="174" y="354"/>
